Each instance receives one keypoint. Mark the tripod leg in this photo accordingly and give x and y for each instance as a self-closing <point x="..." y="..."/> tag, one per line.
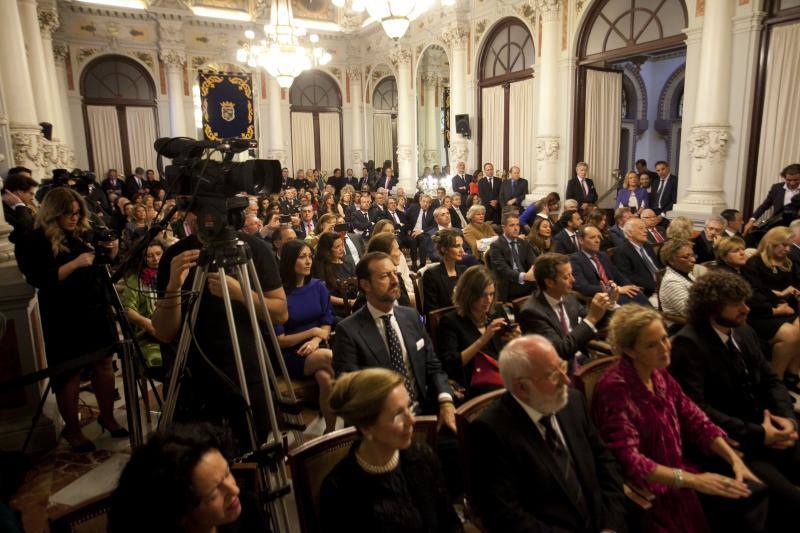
<point x="129" y="387"/>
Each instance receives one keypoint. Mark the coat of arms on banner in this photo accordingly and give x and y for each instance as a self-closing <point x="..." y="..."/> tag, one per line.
<point x="227" y="111"/>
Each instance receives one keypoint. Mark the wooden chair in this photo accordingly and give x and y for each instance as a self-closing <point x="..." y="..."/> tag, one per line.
<point x="89" y="517"/>
<point x="416" y="279"/>
<point x="432" y="323"/>
<point x="517" y="304"/>
<point x="313" y="461"/>
<point x="585" y="380"/>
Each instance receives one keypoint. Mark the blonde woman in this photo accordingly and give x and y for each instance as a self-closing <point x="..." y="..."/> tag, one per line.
<point x="632" y="195"/>
<point x="680" y="228"/>
<point x="477" y="228"/>
<point x="57" y="259"/>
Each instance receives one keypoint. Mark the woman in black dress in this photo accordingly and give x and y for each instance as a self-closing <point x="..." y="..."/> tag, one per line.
<point x="439" y="281"/>
<point x="57" y="259"/>
<point x="330" y="267"/>
<point x="474" y="332"/>
<point x="387" y="482"/>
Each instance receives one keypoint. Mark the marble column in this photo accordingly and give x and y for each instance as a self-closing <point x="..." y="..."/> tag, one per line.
<point x="173" y="61"/>
<point x="40" y="83"/>
<point x="430" y="81"/>
<point x="406" y="119"/>
<point x="456" y="38"/>
<point x="710" y="132"/>
<point x="357" y="118"/>
<point x="276" y="148"/>
<point x="48" y="23"/>
<point x="547" y="118"/>
<point x="60" y="54"/>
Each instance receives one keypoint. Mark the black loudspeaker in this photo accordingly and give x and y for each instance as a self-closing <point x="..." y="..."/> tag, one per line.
<point x="47" y="130"/>
<point x="462" y="125"/>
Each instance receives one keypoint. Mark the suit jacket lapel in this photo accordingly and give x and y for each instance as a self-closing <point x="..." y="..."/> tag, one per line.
<point x="549" y="313"/>
<point x="372" y="338"/>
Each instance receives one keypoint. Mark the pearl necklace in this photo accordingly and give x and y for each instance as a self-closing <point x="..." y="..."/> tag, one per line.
<point x="379" y="469"/>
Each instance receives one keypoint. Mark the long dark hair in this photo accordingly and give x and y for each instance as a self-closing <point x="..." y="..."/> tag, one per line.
<point x="323" y="267"/>
<point x="289" y="254"/>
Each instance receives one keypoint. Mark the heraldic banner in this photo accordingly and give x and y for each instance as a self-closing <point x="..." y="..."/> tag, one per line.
<point x="227" y="102"/>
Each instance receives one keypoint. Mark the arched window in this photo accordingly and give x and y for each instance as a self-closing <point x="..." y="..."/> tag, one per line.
<point x="384" y="121"/>
<point x="120" y="115"/>
<point x="505" y="96"/>
<point x="316" y="106"/>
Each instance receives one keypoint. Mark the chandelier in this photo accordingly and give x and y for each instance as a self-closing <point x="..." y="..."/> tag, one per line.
<point x="281" y="53"/>
<point x="394" y="15"/>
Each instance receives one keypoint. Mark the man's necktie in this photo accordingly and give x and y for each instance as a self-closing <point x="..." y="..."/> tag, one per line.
<point x="562" y="317"/>
<point x="396" y="354"/>
<point x="585" y="189"/>
<point x="575" y="242"/>
<point x="515" y="256"/>
<point x="513" y="186"/>
<point x="564" y="462"/>
<point x="656" y="235"/>
<point x="600" y="270"/>
<point x="491" y="183"/>
<point x="309" y="231"/>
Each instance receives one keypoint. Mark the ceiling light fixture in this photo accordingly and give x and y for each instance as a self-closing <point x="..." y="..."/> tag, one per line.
<point x="394" y="15"/>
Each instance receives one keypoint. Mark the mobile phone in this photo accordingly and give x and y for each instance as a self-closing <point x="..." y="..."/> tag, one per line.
<point x="341" y="228"/>
<point x="286" y="219"/>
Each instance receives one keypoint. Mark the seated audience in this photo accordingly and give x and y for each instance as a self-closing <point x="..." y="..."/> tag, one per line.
<point x="419" y="219"/>
<point x="543" y="208"/>
<point x="363" y="218"/>
<point x="794" y="249"/>
<point x="439" y="280"/>
<point x="184" y="482"/>
<point x="309" y="324"/>
<point x="733" y="223"/>
<point x="718" y="361"/>
<point x="511" y="261"/>
<point x="594" y="272"/>
<point x="330" y="267"/>
<point x="280" y="237"/>
<point x="632" y="196"/>
<point x="477" y="228"/>
<point x="536" y="460"/>
<point x="308" y="222"/>
<point x="137" y="226"/>
<point x="381" y="334"/>
<point x="616" y="233"/>
<point x="566" y="240"/>
<point x="18" y="194"/>
<point x="556" y="314"/>
<point x="252" y="224"/>
<point x="458" y="211"/>
<point x="646" y="420"/>
<point x="470" y="337"/>
<point x="681" y="228"/>
<point x="635" y="259"/>
<point x="139" y="300"/>
<point x="383" y="225"/>
<point x="704" y="243"/>
<point x="387" y="481"/>
<point x="775" y="278"/>
<point x="540" y="236"/>
<point x="681" y="272"/>
<point x="598" y="220"/>
<point x="387" y="243"/>
<point x="654" y="233"/>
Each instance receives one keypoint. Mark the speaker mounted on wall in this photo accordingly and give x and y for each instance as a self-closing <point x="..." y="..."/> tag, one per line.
<point x="462" y="125"/>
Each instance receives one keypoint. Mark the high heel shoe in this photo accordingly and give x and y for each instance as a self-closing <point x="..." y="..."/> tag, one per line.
<point x="119" y="433"/>
<point x="85" y="447"/>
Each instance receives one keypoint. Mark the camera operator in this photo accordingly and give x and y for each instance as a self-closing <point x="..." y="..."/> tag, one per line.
<point x="56" y="258"/>
<point x="18" y="192"/>
<point x="203" y="394"/>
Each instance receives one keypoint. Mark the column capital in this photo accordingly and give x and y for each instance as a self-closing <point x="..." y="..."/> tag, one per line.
<point x="456" y="36"/>
<point x="547" y="147"/>
<point x="549" y="9"/>
<point x="400" y="56"/>
<point x="353" y="72"/>
<point x="60" y="52"/>
<point x="173" y="58"/>
<point x="48" y="21"/>
<point x="708" y="143"/>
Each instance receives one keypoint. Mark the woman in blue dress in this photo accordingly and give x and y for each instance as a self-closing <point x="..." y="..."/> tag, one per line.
<point x="633" y="195"/>
<point x="309" y="324"/>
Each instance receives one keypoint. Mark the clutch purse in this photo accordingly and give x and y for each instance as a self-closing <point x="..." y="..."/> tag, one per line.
<point x="486" y="372"/>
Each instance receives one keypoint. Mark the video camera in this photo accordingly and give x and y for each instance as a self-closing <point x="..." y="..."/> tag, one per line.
<point x="216" y="186"/>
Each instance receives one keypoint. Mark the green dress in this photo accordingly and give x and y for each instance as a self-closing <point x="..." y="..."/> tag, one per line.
<point x="142" y="299"/>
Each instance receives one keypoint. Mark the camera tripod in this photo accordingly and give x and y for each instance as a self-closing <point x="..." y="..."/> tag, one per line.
<point x="234" y="255"/>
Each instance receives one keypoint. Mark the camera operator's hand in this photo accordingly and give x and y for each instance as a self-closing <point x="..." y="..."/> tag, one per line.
<point x="234" y="289"/>
<point x="179" y="269"/>
<point x="84" y="260"/>
<point x="113" y="247"/>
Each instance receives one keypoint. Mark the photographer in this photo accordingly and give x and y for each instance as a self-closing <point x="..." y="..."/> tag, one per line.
<point x="18" y="192"/>
<point x="204" y="395"/>
<point x="56" y="259"/>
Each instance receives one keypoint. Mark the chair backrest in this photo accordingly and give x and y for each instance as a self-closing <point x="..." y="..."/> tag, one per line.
<point x="346" y="287"/>
<point x="415" y="282"/>
<point x="89" y="517"/>
<point x="586" y="377"/>
<point x="433" y="324"/>
<point x="311" y="462"/>
<point x="517" y="304"/>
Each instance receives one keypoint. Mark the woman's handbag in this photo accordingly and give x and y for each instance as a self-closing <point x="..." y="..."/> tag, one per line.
<point x="486" y="372"/>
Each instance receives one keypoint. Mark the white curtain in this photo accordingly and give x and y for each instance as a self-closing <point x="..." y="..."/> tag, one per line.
<point x="383" y="137"/>
<point x="780" y="136"/>
<point x="602" y="128"/>
<point x="105" y="139"/>
<point x="303" y="141"/>
<point x="521" y="150"/>
<point x="492" y="118"/>
<point x="141" y="124"/>
<point x="330" y="152"/>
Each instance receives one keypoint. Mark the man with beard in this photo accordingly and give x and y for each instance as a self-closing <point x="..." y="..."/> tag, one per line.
<point x="538" y="463"/>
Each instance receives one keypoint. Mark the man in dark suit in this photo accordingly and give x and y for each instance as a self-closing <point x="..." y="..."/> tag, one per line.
<point x="733" y="223"/>
<point x="461" y="182"/>
<point x="308" y="223"/>
<point x="134" y="183"/>
<point x="337" y="181"/>
<point x="489" y="193"/>
<point x="663" y="189"/>
<point x="363" y="218"/>
<point x="112" y="183"/>
<point x="641" y="168"/>
<point x="349" y="179"/>
<point x="419" y="220"/>
<point x="718" y="361"/>
<point x="703" y="244"/>
<point x="635" y="258"/>
<point x="513" y="190"/>
<point x="353" y="250"/>
<point x="381" y="334"/>
<point x="655" y="235"/>
<point x="536" y="460"/>
<point x="511" y="261"/>
<point x="398" y="218"/>
<point x="580" y="188"/>
<point x="566" y="241"/>
<point x="388" y="181"/>
<point x="19" y="190"/>
<point x="363" y="180"/>
<point x="556" y="314"/>
<point x="594" y="272"/>
<point x="780" y="195"/>
<point x="621" y="216"/>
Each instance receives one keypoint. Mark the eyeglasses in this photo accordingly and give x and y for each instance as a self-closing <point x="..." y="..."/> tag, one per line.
<point x="405" y="414"/>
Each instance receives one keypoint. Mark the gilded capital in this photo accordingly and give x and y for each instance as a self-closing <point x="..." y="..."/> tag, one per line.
<point x="173" y="58"/>
<point x="456" y="36"/>
<point x="353" y="72"/>
<point x="48" y="20"/>
<point x="400" y="56"/>
<point x="548" y="8"/>
<point x="60" y="52"/>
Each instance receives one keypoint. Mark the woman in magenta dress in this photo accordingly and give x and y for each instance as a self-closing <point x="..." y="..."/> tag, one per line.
<point x="645" y="418"/>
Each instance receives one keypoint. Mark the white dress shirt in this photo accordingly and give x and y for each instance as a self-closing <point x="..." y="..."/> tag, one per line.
<point x="789" y="194"/>
<point x="536" y="417"/>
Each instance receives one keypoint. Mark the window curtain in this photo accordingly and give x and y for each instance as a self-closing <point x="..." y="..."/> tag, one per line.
<point x="383" y="137"/>
<point x="521" y="151"/>
<point x="104" y="136"/>
<point x="779" y="145"/>
<point x="330" y="152"/>
<point x="303" y="141"/>
<point x="141" y="134"/>
<point x="602" y="128"/>
<point x="492" y="125"/>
